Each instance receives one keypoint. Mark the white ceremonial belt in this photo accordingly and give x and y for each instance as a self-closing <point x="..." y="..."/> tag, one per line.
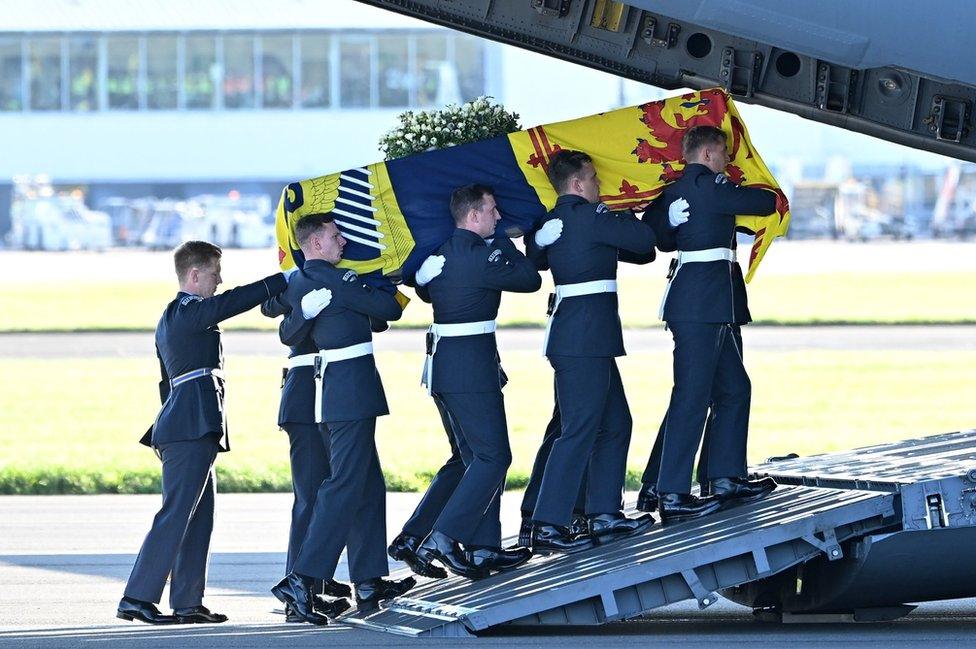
<point x="322" y="359"/>
<point x="711" y="254"/>
<point x="196" y="374"/>
<point x="691" y="257"/>
<point x="437" y="331"/>
<point x="462" y="329"/>
<point x="574" y="290"/>
<point x="302" y="360"/>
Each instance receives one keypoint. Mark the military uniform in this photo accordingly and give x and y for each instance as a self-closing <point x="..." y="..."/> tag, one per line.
<point x="704" y="306"/>
<point x="309" y="449"/>
<point x="350" y="506"/>
<point x="653" y="468"/>
<point x="463" y="371"/>
<point x="583" y="339"/>
<point x="445" y="481"/>
<point x="188" y="433"/>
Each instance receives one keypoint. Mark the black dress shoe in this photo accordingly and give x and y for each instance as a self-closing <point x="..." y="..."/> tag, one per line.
<point x="369" y="593"/>
<point x="647" y="498"/>
<point x="198" y="615"/>
<point x="685" y="507"/>
<point x="334" y="588"/>
<point x="134" y="609"/>
<point x="500" y="560"/>
<point x="291" y="616"/>
<point x="404" y="548"/>
<point x="734" y="491"/>
<point x="547" y="539"/>
<point x="610" y="527"/>
<point x="579" y="526"/>
<point x="525" y="531"/>
<point x="295" y="590"/>
<point x="329" y="608"/>
<point x="440" y="547"/>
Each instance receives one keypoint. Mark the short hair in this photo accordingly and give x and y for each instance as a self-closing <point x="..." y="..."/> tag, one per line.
<point x="467" y="198"/>
<point x="565" y="165"/>
<point x="698" y="136"/>
<point x="194" y="254"/>
<point x="309" y="224"/>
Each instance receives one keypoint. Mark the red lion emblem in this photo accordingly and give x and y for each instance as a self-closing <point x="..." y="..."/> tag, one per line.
<point x="709" y="110"/>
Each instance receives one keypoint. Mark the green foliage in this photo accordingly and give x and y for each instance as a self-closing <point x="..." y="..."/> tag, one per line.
<point x="804" y="401"/>
<point x="426" y="130"/>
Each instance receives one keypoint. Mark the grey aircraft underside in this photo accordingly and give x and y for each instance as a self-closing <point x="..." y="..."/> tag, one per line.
<point x="898" y="70"/>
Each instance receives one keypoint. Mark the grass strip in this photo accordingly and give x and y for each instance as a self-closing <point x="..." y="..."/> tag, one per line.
<point x="821" y="298"/>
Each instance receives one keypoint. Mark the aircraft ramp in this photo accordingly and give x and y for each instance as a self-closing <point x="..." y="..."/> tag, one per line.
<point x="819" y="520"/>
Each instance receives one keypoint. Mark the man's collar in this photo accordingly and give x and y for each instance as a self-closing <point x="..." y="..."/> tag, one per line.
<point x="316" y="262"/>
<point x="698" y="167"/>
<point x="570" y="199"/>
<point x="469" y="236"/>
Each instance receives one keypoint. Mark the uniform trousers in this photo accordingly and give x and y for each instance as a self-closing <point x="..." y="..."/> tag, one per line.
<point x="179" y="540"/>
<point x="309" y="469"/>
<point x="596" y="428"/>
<point x="653" y="468"/>
<point x="707" y="368"/>
<point x="471" y="514"/>
<point x="421" y="522"/>
<point x="350" y="507"/>
<point x="553" y="430"/>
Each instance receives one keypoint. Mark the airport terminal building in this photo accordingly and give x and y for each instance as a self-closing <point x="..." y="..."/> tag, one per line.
<point x="137" y="98"/>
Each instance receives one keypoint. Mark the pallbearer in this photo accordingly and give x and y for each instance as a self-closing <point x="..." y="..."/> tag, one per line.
<point x="704" y="307"/>
<point x="350" y="506"/>
<point x="463" y="372"/>
<point x="582" y="342"/>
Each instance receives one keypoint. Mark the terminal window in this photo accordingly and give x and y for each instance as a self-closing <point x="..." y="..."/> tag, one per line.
<point x="242" y="70"/>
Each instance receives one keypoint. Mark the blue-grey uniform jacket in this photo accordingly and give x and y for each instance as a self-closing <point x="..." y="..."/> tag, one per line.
<point x="469" y="289"/>
<point x="351" y="388"/>
<point x="297" y="405"/>
<point x="711" y="291"/>
<point x="188" y="338"/>
<point x="593" y="240"/>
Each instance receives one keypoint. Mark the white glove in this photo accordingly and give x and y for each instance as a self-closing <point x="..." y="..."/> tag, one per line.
<point x="678" y="212"/>
<point x="430" y="269"/>
<point x="315" y="301"/>
<point x="549" y="233"/>
<point x="288" y="273"/>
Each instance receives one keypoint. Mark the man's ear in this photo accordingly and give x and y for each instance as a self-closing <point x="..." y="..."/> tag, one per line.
<point x="194" y="275"/>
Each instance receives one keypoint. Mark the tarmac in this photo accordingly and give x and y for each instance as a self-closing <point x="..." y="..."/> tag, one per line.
<point x="265" y="343"/>
<point x="64" y="561"/>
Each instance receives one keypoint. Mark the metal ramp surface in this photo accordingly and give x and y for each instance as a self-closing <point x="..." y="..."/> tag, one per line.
<point x="883" y="467"/>
<point x="667" y="564"/>
<point x="926" y="557"/>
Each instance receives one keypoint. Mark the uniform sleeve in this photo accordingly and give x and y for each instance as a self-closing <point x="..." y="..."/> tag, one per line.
<point x="637" y="258"/>
<point x="357" y="296"/>
<point x="507" y="269"/>
<point x="656" y="216"/>
<point x="735" y="199"/>
<point x="294" y="328"/>
<point x="623" y="230"/>
<point x="423" y="292"/>
<point x="274" y="307"/>
<point x="535" y="253"/>
<point x="205" y="313"/>
<point x="164" y="379"/>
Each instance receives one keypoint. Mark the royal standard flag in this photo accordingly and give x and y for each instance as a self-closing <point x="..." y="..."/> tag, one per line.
<point x="396" y="213"/>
